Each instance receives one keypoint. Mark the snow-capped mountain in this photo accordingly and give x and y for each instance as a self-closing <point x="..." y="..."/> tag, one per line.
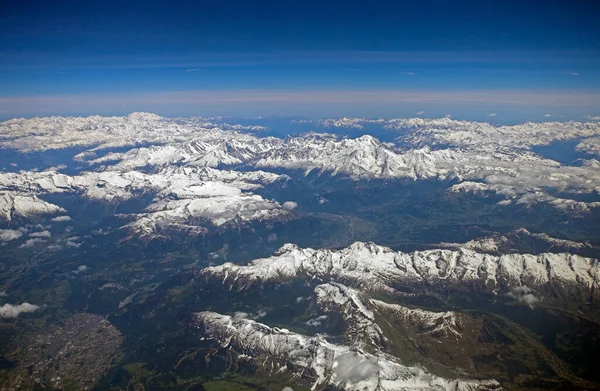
<point x="506" y="243"/>
<point x="376" y="268"/>
<point x="180" y="194"/>
<point x="222" y="192"/>
<point x="590" y="145"/>
<point x="358" y="312"/>
<point x="444" y="132"/>
<point x="478" y="135"/>
<point x="339" y="299"/>
<point x="13" y="204"/>
<point x="40" y="134"/>
<point x="480" y="157"/>
<point x="322" y="362"/>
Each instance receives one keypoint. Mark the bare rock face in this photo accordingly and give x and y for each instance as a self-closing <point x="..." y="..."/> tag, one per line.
<point x="323" y="362"/>
<point x="481" y="157"/>
<point x="378" y="269"/>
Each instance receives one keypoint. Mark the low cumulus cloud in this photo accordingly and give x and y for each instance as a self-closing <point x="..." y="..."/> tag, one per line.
<point x="32" y="242"/>
<point x="41" y="234"/>
<point x="6" y="235"/>
<point x="289" y="205"/>
<point x="523" y="295"/>
<point x="352" y="368"/>
<point x="72" y="242"/>
<point x="318" y="321"/>
<point x="492" y="114"/>
<point x="80" y="269"/>
<point x="548" y="115"/>
<point x="12" y="311"/>
<point x="60" y="219"/>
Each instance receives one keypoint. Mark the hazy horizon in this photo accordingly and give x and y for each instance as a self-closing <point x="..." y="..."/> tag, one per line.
<point x="517" y="60"/>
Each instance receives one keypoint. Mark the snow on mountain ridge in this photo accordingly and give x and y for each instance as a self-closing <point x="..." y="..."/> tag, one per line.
<point x="356" y="309"/>
<point x="481" y="157"/>
<point x="447" y="322"/>
<point x="183" y="194"/>
<point x="13" y="205"/>
<point x="60" y="132"/>
<point x="446" y="131"/>
<point x="323" y="362"/>
<point x="47" y="133"/>
<point x="590" y="145"/>
<point x="516" y="175"/>
<point x="339" y="299"/>
<point x="376" y="268"/>
<point x="497" y="243"/>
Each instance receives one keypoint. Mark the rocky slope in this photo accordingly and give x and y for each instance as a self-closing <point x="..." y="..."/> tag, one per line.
<point x="323" y="362"/>
<point x="180" y="195"/>
<point x="375" y="268"/>
<point x="478" y="157"/>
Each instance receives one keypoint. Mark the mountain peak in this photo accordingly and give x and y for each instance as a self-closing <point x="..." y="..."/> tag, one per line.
<point x="143" y="116"/>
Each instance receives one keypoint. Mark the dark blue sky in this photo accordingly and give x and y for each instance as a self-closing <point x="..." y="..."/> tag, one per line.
<point x="521" y="59"/>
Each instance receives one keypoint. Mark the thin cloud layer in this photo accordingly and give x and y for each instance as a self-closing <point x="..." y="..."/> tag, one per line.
<point x="302" y="100"/>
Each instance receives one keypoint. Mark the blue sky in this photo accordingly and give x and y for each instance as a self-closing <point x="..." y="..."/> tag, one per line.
<point x="520" y="60"/>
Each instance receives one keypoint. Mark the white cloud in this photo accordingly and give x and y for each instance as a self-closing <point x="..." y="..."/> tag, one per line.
<point x="492" y="114"/>
<point x="80" y="269"/>
<point x="289" y="205"/>
<point x="574" y="73"/>
<point x="421" y="112"/>
<point x="12" y="311"/>
<point x="192" y="70"/>
<point x="318" y="321"/>
<point x="59" y="219"/>
<point x="7" y="235"/>
<point x="41" y="234"/>
<point x="529" y="299"/>
<point x="260" y="314"/>
<point x="407" y="73"/>
<point x="523" y="295"/>
<point x="32" y="242"/>
<point x="547" y="115"/>
<point x="352" y="368"/>
<point x="72" y="244"/>
<point x="593" y="117"/>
